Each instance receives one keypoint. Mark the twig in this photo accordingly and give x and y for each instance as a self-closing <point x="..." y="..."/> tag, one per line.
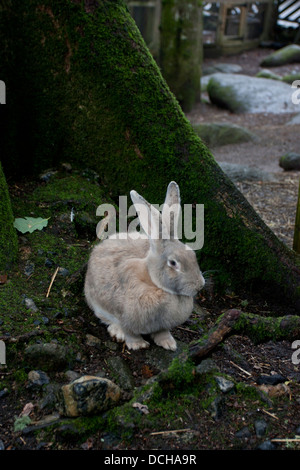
<point x="52" y="280"/>
<point x="270" y="414"/>
<point x="286" y="440"/>
<point x="243" y="370"/>
<point x="169" y="432"/>
<point x="25" y="336"/>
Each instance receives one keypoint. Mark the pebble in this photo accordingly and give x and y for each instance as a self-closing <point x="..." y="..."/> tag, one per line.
<point x="38" y="378"/>
<point x="243" y="433"/>
<point x="260" y="428"/>
<point x="225" y="385"/>
<point x="270" y="379"/>
<point x="4" y="393"/>
<point x="29" y="303"/>
<point x="267" y="445"/>
<point x="2" y="446"/>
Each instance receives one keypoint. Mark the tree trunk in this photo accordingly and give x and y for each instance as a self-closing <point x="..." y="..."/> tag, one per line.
<point x="83" y="87"/>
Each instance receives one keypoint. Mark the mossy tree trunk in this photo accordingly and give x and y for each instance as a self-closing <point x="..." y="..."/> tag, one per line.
<point x="8" y="235"/>
<point x="82" y="87"/>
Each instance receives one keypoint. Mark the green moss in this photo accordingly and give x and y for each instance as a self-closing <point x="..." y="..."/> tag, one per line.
<point x="8" y="236"/>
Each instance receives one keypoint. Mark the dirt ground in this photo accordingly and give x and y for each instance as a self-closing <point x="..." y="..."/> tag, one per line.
<point x="237" y="356"/>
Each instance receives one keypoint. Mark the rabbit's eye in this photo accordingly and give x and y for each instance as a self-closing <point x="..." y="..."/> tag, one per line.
<point x="172" y="263"/>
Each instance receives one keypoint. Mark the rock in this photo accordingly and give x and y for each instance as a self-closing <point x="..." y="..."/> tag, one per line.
<point x="237" y="172"/>
<point x="224" y="68"/>
<point x="29" y="268"/>
<point x="243" y="433"/>
<point x="285" y="55"/>
<point x="38" y="378"/>
<point x="267" y="445"/>
<point x="47" y="175"/>
<point x="290" y="161"/>
<point x="291" y="77"/>
<point x="50" y="397"/>
<point x="93" y="341"/>
<point x="2" y="446"/>
<point x="244" y="94"/>
<point x="295" y="120"/>
<point x="71" y="375"/>
<point x="48" y="356"/>
<point x="29" y="303"/>
<point x="216" y="408"/>
<point x="265" y="73"/>
<point x="121" y="372"/>
<point x="206" y="366"/>
<point x="216" y="134"/>
<point x="260" y="428"/>
<point x="4" y="393"/>
<point x="224" y="385"/>
<point x="270" y="379"/>
<point x="89" y="395"/>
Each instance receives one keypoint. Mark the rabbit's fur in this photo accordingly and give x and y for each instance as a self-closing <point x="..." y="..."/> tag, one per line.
<point x="146" y="285"/>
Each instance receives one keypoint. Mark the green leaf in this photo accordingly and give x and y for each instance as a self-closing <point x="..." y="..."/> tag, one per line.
<point x="30" y="224"/>
<point x="21" y="423"/>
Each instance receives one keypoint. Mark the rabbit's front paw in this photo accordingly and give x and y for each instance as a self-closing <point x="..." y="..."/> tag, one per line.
<point x="136" y="342"/>
<point x="116" y="332"/>
<point x="165" y="340"/>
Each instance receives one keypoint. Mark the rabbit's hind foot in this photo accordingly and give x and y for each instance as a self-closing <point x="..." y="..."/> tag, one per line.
<point x="165" y="340"/>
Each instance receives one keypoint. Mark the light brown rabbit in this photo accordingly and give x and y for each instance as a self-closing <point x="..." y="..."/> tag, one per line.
<point x="144" y="284"/>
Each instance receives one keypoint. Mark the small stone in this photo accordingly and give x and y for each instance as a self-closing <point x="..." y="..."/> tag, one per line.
<point x="243" y="433"/>
<point x="216" y="408"/>
<point x="122" y="372"/>
<point x="4" y="393"/>
<point x="270" y="379"/>
<point x="49" y="356"/>
<point x="89" y="395"/>
<point x="206" y="366"/>
<point x="267" y="445"/>
<point x="260" y="428"/>
<point x="29" y="269"/>
<point x="290" y="161"/>
<point x="71" y="375"/>
<point x="49" y="263"/>
<point x="29" y="303"/>
<point x="93" y="341"/>
<point x="2" y="446"/>
<point x="225" y="385"/>
<point x="38" y="378"/>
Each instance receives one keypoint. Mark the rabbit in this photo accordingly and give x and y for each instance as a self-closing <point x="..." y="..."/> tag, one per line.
<point x="144" y="284"/>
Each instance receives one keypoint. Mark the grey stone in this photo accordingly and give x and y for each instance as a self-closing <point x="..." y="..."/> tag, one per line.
<point x="206" y="366"/>
<point x="219" y="133"/>
<point x="237" y="172"/>
<point x="89" y="395"/>
<point x="38" y="378"/>
<point x="93" y="341"/>
<point x="265" y="73"/>
<point x="244" y="94"/>
<point x="295" y="120"/>
<point x="121" y="372"/>
<point x="29" y="303"/>
<point x="224" y="385"/>
<point x="216" y="408"/>
<point x="290" y="161"/>
<point x="260" y="428"/>
<point x="221" y="67"/>
<point x="267" y="445"/>
<point x="2" y="446"/>
<point x="48" y="356"/>
<point x="270" y="379"/>
<point x="243" y="433"/>
<point x="285" y="55"/>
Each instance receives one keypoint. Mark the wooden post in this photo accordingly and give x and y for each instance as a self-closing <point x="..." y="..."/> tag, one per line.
<point x="296" y="243"/>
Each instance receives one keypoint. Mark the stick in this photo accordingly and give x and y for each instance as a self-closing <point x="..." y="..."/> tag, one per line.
<point x="169" y="432"/>
<point x="52" y="280"/>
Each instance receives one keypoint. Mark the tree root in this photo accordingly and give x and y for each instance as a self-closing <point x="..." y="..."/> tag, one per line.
<point x="259" y="329"/>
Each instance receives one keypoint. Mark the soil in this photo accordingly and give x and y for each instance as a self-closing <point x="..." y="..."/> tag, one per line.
<point x="178" y="420"/>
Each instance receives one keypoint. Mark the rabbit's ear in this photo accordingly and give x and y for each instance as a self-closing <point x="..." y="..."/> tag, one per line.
<point x="171" y="212"/>
<point x="149" y="216"/>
